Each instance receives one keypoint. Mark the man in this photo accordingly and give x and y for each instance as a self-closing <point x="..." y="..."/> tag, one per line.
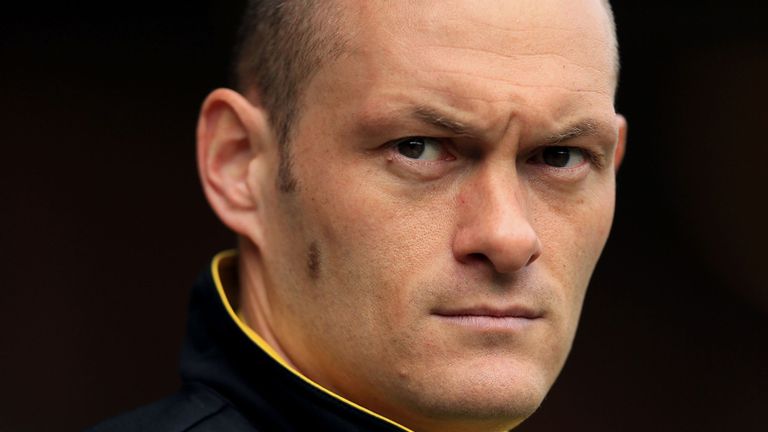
<point x="421" y="191"/>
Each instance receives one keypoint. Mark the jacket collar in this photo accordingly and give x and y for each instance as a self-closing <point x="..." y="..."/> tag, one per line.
<point x="224" y="354"/>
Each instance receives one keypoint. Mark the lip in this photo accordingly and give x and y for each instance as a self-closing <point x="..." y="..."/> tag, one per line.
<point x="491" y="312"/>
<point x="489" y="318"/>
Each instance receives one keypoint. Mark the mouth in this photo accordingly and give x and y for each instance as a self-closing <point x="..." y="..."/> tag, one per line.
<point x="488" y="318"/>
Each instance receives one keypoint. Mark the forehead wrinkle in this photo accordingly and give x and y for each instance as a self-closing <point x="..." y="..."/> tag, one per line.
<point x="604" y="90"/>
<point x="518" y="55"/>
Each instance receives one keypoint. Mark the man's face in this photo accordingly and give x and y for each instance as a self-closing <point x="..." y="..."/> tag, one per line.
<point x="455" y="177"/>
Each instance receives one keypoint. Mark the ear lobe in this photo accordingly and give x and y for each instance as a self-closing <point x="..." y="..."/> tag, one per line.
<point x="621" y="145"/>
<point x="231" y="133"/>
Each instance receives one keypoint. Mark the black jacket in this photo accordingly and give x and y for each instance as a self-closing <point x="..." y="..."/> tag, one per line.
<point x="231" y="381"/>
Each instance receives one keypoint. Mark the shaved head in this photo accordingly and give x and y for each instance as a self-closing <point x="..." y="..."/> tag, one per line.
<point x="282" y="44"/>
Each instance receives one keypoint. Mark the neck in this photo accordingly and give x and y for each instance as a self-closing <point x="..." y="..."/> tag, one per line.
<point x="253" y="301"/>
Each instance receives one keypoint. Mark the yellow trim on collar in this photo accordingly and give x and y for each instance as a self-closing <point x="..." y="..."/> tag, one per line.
<point x="261" y="343"/>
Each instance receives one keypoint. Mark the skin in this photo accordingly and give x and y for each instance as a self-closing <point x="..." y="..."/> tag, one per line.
<point x="364" y="278"/>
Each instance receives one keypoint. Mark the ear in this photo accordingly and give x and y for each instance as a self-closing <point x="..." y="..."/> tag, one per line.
<point x="621" y="145"/>
<point x="233" y="134"/>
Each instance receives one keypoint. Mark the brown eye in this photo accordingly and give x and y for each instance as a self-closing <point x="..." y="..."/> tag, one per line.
<point x="420" y="148"/>
<point x="562" y="157"/>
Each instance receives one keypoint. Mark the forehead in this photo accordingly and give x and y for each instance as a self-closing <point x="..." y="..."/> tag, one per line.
<point x="476" y="56"/>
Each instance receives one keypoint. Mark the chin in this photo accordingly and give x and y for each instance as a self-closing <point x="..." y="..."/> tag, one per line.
<point x="478" y="415"/>
<point x="478" y="399"/>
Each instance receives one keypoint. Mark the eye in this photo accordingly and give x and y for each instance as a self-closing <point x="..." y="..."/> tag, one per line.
<point x="421" y="148"/>
<point x="562" y="157"/>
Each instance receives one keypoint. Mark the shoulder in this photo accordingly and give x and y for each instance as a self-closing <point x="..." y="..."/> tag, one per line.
<point x="193" y="409"/>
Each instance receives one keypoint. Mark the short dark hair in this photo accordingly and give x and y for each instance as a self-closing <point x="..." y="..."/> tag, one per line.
<point x="281" y="44"/>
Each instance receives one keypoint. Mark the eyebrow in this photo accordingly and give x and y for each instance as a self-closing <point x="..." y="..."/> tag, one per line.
<point x="441" y="121"/>
<point x="582" y="128"/>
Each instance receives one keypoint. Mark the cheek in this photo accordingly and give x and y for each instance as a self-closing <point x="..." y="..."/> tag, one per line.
<point x="573" y="232"/>
<point x="361" y="210"/>
<point x="380" y="245"/>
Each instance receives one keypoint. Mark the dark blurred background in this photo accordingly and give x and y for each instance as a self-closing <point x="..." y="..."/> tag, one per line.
<point x="104" y="226"/>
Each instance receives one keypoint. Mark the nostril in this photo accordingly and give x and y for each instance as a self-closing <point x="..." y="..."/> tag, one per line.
<point x="477" y="257"/>
<point x="533" y="258"/>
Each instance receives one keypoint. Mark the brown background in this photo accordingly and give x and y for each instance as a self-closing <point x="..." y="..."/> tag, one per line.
<point x="104" y="227"/>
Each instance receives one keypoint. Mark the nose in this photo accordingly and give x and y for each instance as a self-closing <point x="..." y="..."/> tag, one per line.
<point x="494" y="227"/>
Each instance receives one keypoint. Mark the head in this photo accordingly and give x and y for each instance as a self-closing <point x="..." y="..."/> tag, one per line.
<point x="422" y="190"/>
